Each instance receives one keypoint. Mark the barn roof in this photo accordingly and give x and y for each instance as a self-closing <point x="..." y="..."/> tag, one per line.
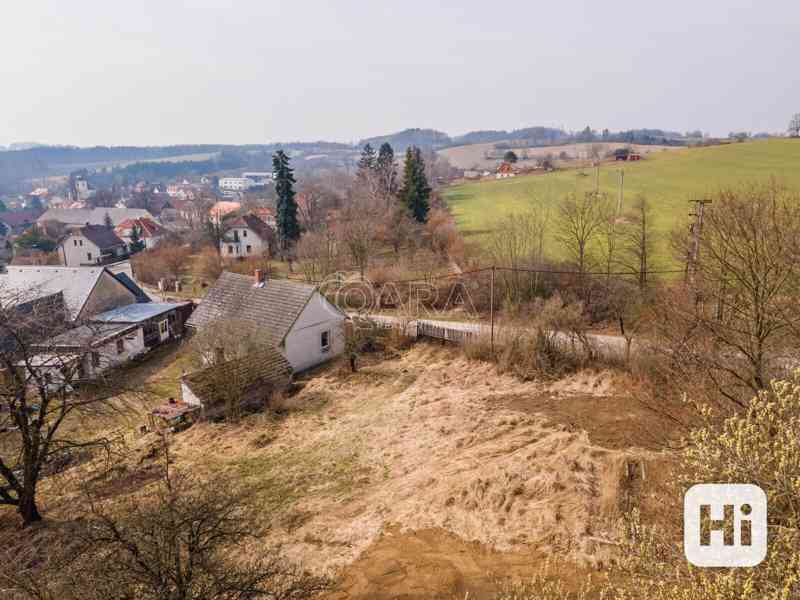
<point x="266" y="367"/>
<point x="273" y="306"/>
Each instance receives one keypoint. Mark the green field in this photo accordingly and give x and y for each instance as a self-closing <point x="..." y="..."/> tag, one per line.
<point x="668" y="179"/>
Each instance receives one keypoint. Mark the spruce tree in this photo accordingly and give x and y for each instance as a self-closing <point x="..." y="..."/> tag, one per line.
<point x="387" y="173"/>
<point x="416" y="192"/>
<point x="286" y="217"/>
<point x="107" y="220"/>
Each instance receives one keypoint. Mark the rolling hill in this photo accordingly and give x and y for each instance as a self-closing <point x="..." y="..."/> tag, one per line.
<point x="668" y="179"/>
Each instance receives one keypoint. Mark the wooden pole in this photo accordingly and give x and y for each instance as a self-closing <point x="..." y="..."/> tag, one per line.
<point x="491" y="309"/>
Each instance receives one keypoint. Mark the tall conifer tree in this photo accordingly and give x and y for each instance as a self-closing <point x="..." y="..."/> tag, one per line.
<point x="416" y="192"/>
<point x="286" y="209"/>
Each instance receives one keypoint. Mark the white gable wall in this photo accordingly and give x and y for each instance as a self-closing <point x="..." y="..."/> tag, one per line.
<point x="302" y="346"/>
<point x="76" y="250"/>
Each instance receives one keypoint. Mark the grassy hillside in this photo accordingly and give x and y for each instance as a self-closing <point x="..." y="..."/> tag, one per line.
<point x="668" y="179"/>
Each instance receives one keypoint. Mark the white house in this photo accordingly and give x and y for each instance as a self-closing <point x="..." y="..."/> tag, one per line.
<point x="236" y="184"/>
<point x="246" y="235"/>
<point x="293" y="317"/>
<point x="91" y="245"/>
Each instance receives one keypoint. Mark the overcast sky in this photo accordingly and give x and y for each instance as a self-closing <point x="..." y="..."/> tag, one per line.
<point x="143" y="72"/>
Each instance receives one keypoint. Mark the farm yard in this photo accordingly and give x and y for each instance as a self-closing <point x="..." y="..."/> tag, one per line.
<point x="668" y="180"/>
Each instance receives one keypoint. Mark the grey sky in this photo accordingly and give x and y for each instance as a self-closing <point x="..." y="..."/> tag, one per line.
<point x="109" y="72"/>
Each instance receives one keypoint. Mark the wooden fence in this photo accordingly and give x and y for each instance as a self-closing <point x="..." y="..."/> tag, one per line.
<point x="447" y="334"/>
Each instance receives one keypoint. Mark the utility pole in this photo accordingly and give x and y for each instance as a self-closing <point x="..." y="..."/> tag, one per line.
<point x="695" y="231"/>
<point x="621" y="188"/>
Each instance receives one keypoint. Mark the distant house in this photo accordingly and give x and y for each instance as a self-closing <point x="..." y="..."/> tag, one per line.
<point x="92" y="216"/>
<point x="86" y="291"/>
<point x="236" y="184"/>
<point x="505" y="171"/>
<point x="250" y="382"/>
<point x="246" y="235"/>
<point x="292" y="317"/>
<point x="150" y="232"/>
<point x="91" y="245"/>
<point x="222" y="209"/>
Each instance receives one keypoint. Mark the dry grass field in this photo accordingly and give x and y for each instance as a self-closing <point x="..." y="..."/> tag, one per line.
<point x="424" y="475"/>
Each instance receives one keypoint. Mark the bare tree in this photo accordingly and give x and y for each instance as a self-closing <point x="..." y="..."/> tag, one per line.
<point x="580" y="221"/>
<point x="358" y="229"/>
<point x="181" y="539"/>
<point x="318" y="254"/>
<point x="740" y="325"/>
<point x="638" y="240"/>
<point x="44" y="384"/>
<point x="517" y="242"/>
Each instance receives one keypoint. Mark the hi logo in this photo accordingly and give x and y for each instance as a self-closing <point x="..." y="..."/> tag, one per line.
<point x="725" y="525"/>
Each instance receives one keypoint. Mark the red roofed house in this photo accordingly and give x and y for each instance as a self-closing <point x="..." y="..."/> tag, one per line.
<point x="504" y="171"/>
<point x="150" y="232"/>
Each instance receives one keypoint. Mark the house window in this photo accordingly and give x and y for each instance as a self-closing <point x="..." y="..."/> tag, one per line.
<point x="230" y="249"/>
<point x="74" y="242"/>
<point x="249" y="248"/>
<point x="325" y="341"/>
<point x="89" y="256"/>
<point x="120" y="346"/>
<point x="80" y="242"/>
<point x="162" y="327"/>
<point x="95" y="359"/>
<point x="244" y="232"/>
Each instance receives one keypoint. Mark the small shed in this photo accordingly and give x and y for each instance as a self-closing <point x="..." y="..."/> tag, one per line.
<point x="243" y="384"/>
<point x="159" y="321"/>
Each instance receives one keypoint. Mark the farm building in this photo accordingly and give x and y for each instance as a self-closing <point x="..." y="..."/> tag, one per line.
<point x="246" y="383"/>
<point x="292" y="317"/>
<point x="505" y="171"/>
<point x="114" y="337"/>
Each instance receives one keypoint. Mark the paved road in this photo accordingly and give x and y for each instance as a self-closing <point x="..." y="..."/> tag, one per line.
<point x="608" y="345"/>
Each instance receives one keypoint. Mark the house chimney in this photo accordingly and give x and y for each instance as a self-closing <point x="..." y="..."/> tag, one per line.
<point x="257" y="277"/>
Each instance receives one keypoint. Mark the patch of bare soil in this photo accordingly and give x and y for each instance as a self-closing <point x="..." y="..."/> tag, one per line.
<point x="432" y="564"/>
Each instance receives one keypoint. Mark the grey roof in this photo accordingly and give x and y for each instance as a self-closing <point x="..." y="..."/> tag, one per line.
<point x="93" y="216"/>
<point x="136" y="313"/>
<point x="29" y="282"/>
<point x="86" y="336"/>
<point x="273" y="306"/>
<point x="101" y="235"/>
<point x="262" y="369"/>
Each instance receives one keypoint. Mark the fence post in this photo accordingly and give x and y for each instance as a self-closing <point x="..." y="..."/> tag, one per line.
<point x="491" y="309"/>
